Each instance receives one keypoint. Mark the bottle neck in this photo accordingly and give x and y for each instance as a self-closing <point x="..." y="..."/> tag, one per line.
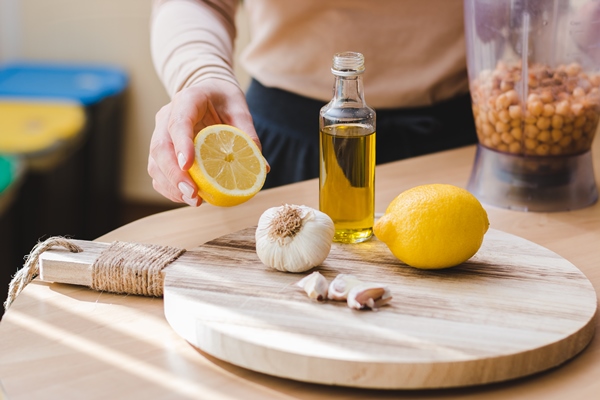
<point x="349" y="89"/>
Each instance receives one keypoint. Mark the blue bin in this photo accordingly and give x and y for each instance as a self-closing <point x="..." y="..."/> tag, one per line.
<point x="89" y="85"/>
<point x="101" y="89"/>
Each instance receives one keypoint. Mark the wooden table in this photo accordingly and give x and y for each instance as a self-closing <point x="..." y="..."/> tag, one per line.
<point x="68" y="342"/>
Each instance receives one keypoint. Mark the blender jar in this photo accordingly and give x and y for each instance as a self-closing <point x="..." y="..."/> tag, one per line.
<point x="534" y="75"/>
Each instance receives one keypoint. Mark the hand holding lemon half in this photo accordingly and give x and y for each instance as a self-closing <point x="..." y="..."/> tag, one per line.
<point x="433" y="226"/>
<point x="228" y="168"/>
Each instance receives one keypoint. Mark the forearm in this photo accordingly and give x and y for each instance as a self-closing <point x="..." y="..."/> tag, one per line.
<point x="192" y="41"/>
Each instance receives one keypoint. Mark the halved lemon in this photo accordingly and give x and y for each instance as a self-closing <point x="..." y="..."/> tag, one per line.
<point x="228" y="168"/>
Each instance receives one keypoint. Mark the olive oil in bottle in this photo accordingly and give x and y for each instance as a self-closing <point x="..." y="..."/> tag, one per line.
<point x="347" y="153"/>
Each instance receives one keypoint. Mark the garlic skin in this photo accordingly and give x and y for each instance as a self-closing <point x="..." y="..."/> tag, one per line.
<point x="315" y="285"/>
<point x="340" y="287"/>
<point x="293" y="238"/>
<point x="368" y="295"/>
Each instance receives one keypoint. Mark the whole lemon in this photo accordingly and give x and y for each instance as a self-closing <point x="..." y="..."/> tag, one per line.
<point x="433" y="226"/>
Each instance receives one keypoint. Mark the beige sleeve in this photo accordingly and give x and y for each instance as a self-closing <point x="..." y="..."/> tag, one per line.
<point x="192" y="40"/>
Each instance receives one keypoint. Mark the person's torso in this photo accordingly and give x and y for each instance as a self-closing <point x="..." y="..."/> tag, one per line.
<point x="414" y="49"/>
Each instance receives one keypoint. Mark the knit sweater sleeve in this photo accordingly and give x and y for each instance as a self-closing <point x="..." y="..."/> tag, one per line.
<point x="192" y="40"/>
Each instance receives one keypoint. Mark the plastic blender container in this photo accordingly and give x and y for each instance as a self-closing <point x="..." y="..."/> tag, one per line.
<point x="534" y="75"/>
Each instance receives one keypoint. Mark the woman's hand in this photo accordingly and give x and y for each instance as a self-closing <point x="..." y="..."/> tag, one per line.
<point x="209" y="102"/>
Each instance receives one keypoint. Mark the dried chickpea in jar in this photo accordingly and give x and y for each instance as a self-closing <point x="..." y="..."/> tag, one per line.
<point x="559" y="116"/>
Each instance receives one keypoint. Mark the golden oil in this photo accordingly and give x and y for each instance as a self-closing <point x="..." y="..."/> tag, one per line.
<point x="347" y="180"/>
<point x="347" y="153"/>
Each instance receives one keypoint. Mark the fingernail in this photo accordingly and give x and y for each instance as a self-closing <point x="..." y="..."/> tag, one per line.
<point x="191" y="202"/>
<point x="181" y="160"/>
<point x="186" y="190"/>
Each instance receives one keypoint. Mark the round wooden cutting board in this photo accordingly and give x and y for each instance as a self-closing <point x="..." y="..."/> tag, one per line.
<point x="514" y="309"/>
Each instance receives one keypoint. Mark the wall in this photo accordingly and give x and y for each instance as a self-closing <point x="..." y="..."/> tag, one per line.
<point x="102" y="31"/>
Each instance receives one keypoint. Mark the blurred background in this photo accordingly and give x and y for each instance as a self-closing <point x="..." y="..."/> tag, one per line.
<point x="78" y="95"/>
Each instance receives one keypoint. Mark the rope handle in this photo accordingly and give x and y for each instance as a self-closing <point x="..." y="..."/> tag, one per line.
<point x="122" y="267"/>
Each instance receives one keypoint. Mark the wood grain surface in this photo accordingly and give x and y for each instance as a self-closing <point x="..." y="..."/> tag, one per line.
<point x="514" y="309"/>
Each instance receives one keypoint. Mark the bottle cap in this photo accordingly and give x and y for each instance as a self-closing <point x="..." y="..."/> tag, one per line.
<point x="348" y="63"/>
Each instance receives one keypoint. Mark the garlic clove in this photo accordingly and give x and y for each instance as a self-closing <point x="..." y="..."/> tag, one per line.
<point x="341" y="286"/>
<point x="315" y="285"/>
<point x="368" y="295"/>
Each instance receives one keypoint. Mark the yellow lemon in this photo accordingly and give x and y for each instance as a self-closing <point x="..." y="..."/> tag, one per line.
<point x="228" y="168"/>
<point x="433" y="226"/>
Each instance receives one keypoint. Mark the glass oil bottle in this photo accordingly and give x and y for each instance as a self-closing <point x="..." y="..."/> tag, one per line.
<point x="347" y="153"/>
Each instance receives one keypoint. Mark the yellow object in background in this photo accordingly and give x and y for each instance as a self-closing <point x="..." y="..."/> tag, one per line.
<point x="34" y="128"/>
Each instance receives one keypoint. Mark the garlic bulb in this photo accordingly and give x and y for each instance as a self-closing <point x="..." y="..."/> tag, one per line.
<point x="293" y="238"/>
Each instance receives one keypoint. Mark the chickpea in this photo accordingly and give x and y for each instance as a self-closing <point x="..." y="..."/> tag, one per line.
<point x="546" y="96"/>
<point x="504" y="116"/>
<point x="577" y="134"/>
<point x="563" y="108"/>
<point x="565" y="141"/>
<point x="533" y="97"/>
<point x="495" y="139"/>
<point x="543" y="123"/>
<point x="483" y="117"/>
<point x="530" y="144"/>
<point x="487" y="129"/>
<point x="492" y="117"/>
<point x="548" y="110"/>
<point x="514" y="111"/>
<point x="515" y="123"/>
<point x="517" y="133"/>
<point x="556" y="135"/>
<point x="514" y="147"/>
<point x="544" y="137"/>
<point x="530" y="119"/>
<point x="507" y="138"/>
<point x="502" y="147"/>
<point x="557" y="121"/>
<point x="512" y="96"/>
<point x="502" y="102"/>
<point x="502" y="127"/>
<point x="577" y="109"/>
<point x="531" y="131"/>
<point x="567" y="128"/>
<point x="536" y="108"/>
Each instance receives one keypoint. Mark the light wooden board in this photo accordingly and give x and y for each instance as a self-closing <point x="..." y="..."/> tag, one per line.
<point x="514" y="309"/>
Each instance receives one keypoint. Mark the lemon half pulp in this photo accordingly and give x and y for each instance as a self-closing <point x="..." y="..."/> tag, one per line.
<point x="228" y="168"/>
